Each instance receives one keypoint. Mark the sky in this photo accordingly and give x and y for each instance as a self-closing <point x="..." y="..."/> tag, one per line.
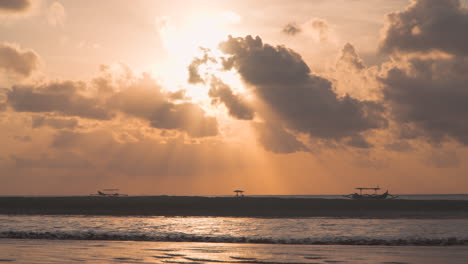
<point x="206" y="97"/>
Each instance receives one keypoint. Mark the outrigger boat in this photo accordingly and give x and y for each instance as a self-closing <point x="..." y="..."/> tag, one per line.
<point x="374" y="195"/>
<point x="109" y="193"/>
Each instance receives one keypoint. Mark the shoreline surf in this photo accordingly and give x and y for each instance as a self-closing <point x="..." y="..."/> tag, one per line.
<point x="96" y="236"/>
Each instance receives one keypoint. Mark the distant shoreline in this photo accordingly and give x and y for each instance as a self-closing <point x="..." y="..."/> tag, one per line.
<point x="233" y="207"/>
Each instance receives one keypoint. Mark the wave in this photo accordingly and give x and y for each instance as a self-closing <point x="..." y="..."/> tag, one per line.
<point x="449" y="241"/>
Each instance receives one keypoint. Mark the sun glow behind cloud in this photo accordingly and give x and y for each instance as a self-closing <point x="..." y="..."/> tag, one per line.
<point x="182" y="41"/>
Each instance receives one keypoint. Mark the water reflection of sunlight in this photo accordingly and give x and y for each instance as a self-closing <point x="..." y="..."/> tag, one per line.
<point x="204" y="226"/>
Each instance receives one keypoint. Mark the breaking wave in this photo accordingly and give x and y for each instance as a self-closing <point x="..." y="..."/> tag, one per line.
<point x="176" y="237"/>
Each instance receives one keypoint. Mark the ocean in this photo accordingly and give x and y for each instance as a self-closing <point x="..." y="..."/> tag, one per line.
<point x="463" y="197"/>
<point x="197" y="240"/>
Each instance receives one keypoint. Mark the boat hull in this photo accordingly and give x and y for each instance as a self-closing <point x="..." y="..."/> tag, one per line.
<point x="357" y="196"/>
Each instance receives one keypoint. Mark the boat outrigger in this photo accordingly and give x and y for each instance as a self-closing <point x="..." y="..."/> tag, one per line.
<point x="109" y="193"/>
<point x="374" y="195"/>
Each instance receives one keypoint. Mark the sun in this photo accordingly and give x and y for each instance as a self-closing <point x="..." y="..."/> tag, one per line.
<point x="182" y="41"/>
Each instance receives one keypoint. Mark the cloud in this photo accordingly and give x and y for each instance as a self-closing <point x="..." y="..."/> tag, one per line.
<point x="194" y="75"/>
<point x="291" y="29"/>
<point x="305" y="102"/>
<point x="319" y="28"/>
<point x="261" y="64"/>
<point x="177" y="95"/>
<point x="351" y="76"/>
<point x="187" y="117"/>
<point x="236" y="105"/>
<point x="3" y="99"/>
<point x="349" y="59"/>
<point x="145" y="99"/>
<point x="15" y="60"/>
<point x="358" y="141"/>
<point x="14" y="5"/>
<point x="104" y="98"/>
<point x="276" y="139"/>
<point x="427" y="25"/>
<point x="56" y="14"/>
<point x="66" y="98"/>
<point x="425" y="83"/>
<point x="57" y="123"/>
<point x="430" y="94"/>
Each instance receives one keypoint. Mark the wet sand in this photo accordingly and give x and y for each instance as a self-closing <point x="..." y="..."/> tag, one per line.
<point x="231" y="206"/>
<point x="59" y="251"/>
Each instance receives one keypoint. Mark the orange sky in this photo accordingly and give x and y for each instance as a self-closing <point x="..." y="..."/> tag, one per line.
<point x="204" y="97"/>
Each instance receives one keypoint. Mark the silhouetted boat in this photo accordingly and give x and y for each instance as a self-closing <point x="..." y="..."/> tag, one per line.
<point x="109" y="193"/>
<point x="374" y="196"/>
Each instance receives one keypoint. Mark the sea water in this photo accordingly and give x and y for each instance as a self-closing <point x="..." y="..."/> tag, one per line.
<point x="193" y="240"/>
<point x="239" y="230"/>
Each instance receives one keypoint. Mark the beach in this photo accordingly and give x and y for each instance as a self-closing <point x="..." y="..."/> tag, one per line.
<point x="235" y="207"/>
<point x="260" y="230"/>
<point x="50" y="252"/>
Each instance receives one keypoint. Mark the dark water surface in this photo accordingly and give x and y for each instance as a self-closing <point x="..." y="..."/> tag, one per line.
<point x="330" y="231"/>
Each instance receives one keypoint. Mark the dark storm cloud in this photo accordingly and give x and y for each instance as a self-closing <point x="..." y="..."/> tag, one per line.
<point x="303" y="101"/>
<point x="57" y="123"/>
<point x="14" y="5"/>
<point x="427" y="92"/>
<point x="431" y="94"/>
<point x="16" y="60"/>
<point x="236" y="105"/>
<point x="291" y="29"/>
<point x="428" y="25"/>
<point x="276" y="139"/>
<point x="59" y="97"/>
